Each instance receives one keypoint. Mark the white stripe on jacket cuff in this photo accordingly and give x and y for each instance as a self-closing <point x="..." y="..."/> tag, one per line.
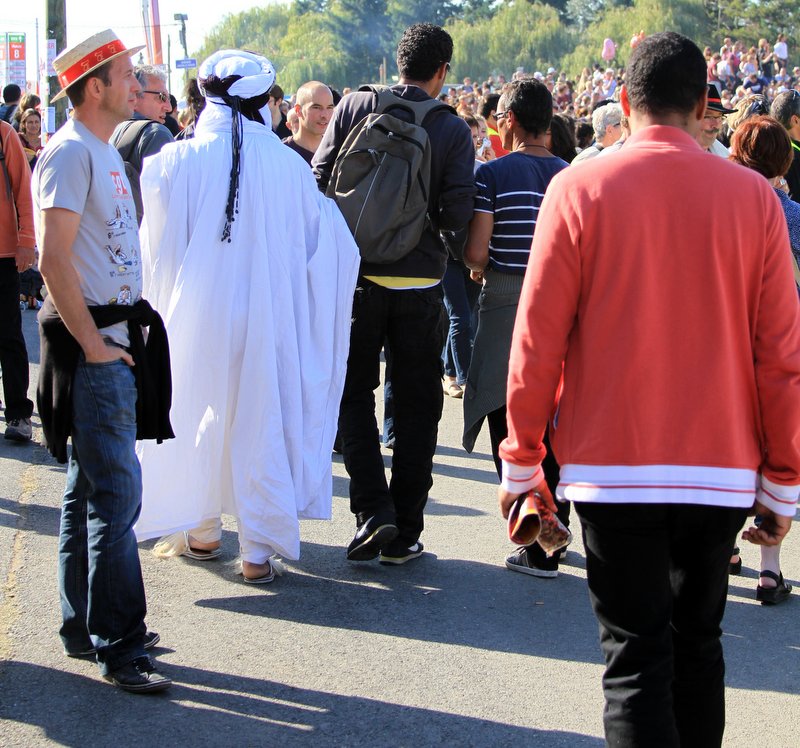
<point x="780" y="499"/>
<point x="521" y="478"/>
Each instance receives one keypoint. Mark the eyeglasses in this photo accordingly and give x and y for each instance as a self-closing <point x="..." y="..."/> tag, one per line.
<point x="499" y="115"/>
<point x="162" y="96"/>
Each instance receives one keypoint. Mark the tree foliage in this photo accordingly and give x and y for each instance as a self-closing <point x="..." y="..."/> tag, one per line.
<point x="343" y="42"/>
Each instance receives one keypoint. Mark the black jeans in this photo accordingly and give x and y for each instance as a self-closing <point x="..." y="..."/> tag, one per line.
<point x="13" y="353"/>
<point x="411" y="323"/>
<point x="658" y="579"/>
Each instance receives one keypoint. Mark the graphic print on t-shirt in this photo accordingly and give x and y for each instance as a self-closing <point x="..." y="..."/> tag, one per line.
<point x="118" y="227"/>
<point x="119" y="183"/>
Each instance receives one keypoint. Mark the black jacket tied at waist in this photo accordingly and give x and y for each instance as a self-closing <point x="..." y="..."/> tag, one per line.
<point x="60" y="353"/>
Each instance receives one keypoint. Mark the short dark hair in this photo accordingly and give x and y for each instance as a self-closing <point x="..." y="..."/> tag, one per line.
<point x="584" y="134"/>
<point x="11" y="92"/>
<point x="489" y="105"/>
<point x="470" y="120"/>
<point x="562" y="137"/>
<point x="666" y="73"/>
<point x="762" y="144"/>
<point x="785" y="105"/>
<point x="77" y="91"/>
<point x="276" y="92"/>
<point x="531" y="103"/>
<point x="422" y="50"/>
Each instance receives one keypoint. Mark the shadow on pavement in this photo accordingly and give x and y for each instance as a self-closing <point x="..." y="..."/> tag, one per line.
<point x="446" y="601"/>
<point x="207" y="708"/>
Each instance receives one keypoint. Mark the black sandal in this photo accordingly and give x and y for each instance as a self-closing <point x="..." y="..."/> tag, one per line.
<point x="735" y="567"/>
<point x="773" y="595"/>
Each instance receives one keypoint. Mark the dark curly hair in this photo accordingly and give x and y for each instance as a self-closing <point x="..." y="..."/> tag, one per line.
<point x="666" y="73"/>
<point x="531" y="103"/>
<point x="422" y="50"/>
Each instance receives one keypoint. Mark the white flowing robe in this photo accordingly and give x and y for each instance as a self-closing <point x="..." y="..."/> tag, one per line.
<point x="259" y="332"/>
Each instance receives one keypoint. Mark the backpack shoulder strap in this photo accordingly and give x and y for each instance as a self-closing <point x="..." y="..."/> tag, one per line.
<point x="129" y="137"/>
<point x="419" y="110"/>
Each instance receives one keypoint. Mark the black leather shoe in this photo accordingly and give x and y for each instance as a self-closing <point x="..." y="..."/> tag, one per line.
<point x="139" y="676"/>
<point x="370" y="537"/>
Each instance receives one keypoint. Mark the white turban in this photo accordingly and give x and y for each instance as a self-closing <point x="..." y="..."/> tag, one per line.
<point x="257" y="73"/>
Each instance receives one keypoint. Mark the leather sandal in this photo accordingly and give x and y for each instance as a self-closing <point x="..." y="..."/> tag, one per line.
<point x="773" y="595"/>
<point x="735" y="567"/>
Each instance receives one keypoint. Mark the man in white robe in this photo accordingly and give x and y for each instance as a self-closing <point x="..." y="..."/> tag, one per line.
<point x="256" y="296"/>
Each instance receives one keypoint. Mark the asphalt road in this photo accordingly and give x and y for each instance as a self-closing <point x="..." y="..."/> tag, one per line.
<point x="450" y="650"/>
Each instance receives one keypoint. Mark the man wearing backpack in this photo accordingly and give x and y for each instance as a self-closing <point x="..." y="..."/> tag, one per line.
<point x="398" y="297"/>
<point x="145" y="133"/>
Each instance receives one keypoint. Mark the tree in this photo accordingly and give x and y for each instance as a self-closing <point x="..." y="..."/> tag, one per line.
<point x="404" y="13"/>
<point x="362" y="31"/>
<point x="584" y="12"/>
<point x="311" y="52"/>
<point x="259" y="30"/>
<point x="687" y="17"/>
<point x="517" y="35"/>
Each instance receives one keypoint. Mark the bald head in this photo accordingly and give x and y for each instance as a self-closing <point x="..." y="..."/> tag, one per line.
<point x="314" y="108"/>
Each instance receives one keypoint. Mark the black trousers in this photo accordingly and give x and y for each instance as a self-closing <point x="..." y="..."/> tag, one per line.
<point x="658" y="579"/>
<point x="410" y="323"/>
<point x="498" y="430"/>
<point x="13" y="353"/>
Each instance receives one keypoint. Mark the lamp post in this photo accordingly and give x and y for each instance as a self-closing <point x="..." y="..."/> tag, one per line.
<point x="182" y="18"/>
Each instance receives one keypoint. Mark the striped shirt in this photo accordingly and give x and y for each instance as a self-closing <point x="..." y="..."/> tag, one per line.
<point x="511" y="189"/>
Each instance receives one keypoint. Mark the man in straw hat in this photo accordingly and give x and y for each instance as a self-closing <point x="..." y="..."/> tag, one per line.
<point x="89" y="388"/>
<point x="262" y="269"/>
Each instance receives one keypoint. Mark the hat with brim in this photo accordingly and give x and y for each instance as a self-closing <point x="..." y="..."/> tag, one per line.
<point x="83" y="59"/>
<point x="715" y="102"/>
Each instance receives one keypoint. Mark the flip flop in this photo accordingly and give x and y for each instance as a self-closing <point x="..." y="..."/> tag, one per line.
<point x="275" y="568"/>
<point x="199" y="554"/>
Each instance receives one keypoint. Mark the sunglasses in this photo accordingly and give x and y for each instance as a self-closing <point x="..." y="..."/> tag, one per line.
<point x="163" y="97"/>
<point x="758" y="106"/>
<point x="499" y="115"/>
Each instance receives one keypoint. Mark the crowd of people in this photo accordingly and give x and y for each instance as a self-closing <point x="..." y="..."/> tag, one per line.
<point x="537" y="281"/>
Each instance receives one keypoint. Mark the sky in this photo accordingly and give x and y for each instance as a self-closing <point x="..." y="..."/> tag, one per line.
<point x="86" y="17"/>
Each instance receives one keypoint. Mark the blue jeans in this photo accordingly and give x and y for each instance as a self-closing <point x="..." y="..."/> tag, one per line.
<point x="460" y="297"/>
<point x="100" y="579"/>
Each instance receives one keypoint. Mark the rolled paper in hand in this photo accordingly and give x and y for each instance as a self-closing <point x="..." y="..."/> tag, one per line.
<point x="553" y="534"/>
<point x="523" y="521"/>
<point x="530" y="519"/>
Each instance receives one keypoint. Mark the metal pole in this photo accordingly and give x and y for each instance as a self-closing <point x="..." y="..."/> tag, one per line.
<point x="56" y="24"/>
<point x="38" y="62"/>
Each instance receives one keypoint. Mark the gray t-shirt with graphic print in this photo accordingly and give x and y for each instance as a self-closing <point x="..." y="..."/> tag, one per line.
<point x="79" y="172"/>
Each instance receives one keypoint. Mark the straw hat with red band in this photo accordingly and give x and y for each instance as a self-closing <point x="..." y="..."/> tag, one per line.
<point x="76" y="63"/>
<point x="715" y="102"/>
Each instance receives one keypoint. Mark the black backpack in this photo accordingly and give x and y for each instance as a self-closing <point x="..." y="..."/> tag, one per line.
<point x="126" y="143"/>
<point x="381" y="177"/>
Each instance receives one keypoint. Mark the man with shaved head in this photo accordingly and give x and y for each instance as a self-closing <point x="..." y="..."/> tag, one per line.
<point x="313" y="104"/>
